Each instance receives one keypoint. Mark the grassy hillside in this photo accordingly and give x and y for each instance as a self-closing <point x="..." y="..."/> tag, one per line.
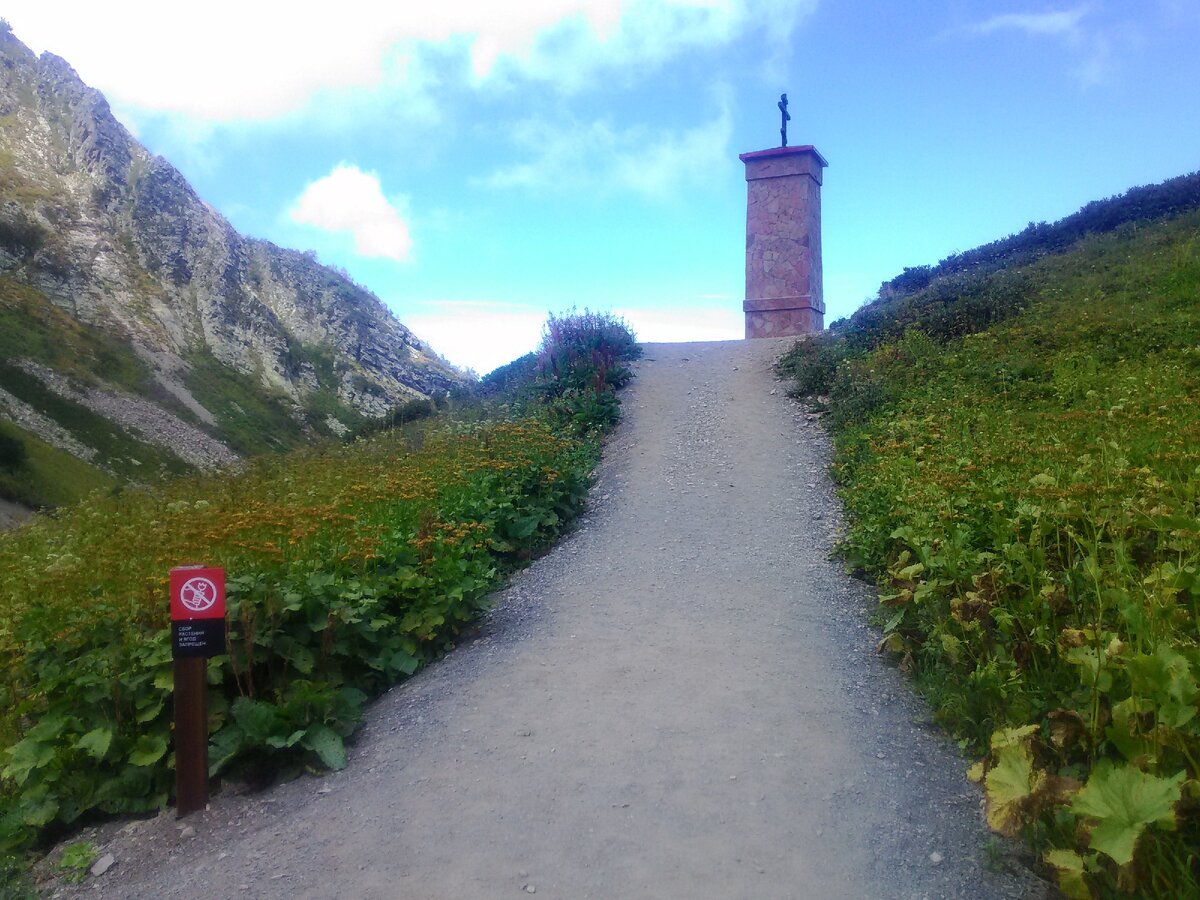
<point x="41" y="475"/>
<point x="34" y="328"/>
<point x="349" y="566"/>
<point x="249" y="418"/>
<point x="1018" y="448"/>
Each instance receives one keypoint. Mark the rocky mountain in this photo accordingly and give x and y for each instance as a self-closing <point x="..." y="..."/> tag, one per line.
<point x="128" y="304"/>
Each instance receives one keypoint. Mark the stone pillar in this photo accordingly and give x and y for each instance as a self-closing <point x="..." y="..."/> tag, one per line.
<point x="783" y="242"/>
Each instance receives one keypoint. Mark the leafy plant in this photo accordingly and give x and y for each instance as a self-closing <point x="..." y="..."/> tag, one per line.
<point x="1018" y="453"/>
<point x="349" y="566"/>
<point x="75" y="860"/>
<point x="573" y="376"/>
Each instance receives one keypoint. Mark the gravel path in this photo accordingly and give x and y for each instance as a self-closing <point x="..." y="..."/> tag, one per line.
<point x="681" y="701"/>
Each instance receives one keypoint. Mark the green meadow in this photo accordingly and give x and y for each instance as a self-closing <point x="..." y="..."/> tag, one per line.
<point x="349" y="566"/>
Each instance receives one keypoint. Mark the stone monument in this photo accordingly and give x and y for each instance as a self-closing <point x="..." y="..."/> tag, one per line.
<point x="783" y="239"/>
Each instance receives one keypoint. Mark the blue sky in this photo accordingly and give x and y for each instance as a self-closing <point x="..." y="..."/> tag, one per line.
<point x="480" y="164"/>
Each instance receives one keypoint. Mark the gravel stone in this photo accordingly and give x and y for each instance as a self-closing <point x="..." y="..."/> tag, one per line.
<point x="102" y="865"/>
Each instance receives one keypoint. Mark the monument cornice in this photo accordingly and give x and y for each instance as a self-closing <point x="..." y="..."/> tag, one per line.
<point x="784" y="151"/>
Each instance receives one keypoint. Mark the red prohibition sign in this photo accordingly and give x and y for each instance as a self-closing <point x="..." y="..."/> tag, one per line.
<point x="197" y="593"/>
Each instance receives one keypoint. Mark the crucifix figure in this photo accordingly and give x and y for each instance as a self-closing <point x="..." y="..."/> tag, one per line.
<point x="782" y="104"/>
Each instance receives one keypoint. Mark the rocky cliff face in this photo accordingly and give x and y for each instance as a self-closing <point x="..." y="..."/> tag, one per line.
<point x="114" y="237"/>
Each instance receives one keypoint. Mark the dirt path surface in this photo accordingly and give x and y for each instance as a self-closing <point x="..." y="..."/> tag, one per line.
<point x="681" y="701"/>
<point x="13" y="514"/>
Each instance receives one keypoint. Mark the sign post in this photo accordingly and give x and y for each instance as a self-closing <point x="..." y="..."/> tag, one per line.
<point x="197" y="633"/>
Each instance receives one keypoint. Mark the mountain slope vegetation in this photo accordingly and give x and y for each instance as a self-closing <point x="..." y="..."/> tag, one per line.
<point x="139" y="332"/>
<point x="349" y="566"/>
<point x="1018" y="447"/>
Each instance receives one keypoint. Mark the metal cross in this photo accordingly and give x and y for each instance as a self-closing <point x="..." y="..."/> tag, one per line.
<point x="782" y="104"/>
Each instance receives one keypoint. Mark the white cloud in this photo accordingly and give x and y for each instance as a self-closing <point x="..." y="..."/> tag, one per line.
<point x="350" y="200"/>
<point x="479" y="335"/>
<point x="596" y="156"/>
<point x="1089" y="44"/>
<point x="230" y="60"/>
<point x="622" y="38"/>
<point x="483" y="335"/>
<point x="691" y="323"/>
<point x="1066" y="22"/>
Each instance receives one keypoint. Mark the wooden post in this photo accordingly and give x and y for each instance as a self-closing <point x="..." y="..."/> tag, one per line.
<point x="191" y="734"/>
<point x="197" y="633"/>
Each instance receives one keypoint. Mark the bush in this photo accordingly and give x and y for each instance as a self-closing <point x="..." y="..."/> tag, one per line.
<point x="577" y="341"/>
<point x="1173" y="197"/>
<point x="511" y="376"/>
<point x="579" y="363"/>
<point x="12" y="452"/>
<point x="410" y="411"/>
<point x="573" y="374"/>
<point x="21" y="237"/>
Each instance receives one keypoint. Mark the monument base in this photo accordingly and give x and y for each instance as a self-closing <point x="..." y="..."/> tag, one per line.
<point x="783" y="317"/>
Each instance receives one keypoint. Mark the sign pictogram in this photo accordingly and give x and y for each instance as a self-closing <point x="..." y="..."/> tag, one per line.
<point x="198" y="594"/>
<point x="197" y="611"/>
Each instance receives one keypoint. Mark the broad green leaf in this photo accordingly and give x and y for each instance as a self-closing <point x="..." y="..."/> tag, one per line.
<point x="1012" y="737"/>
<point x="1166" y="677"/>
<point x="148" y="749"/>
<point x="51" y="727"/>
<point x="151" y="710"/>
<point x="1125" y="800"/>
<point x="1126" y="734"/>
<point x="300" y="656"/>
<point x="1069" y="866"/>
<point x="224" y="746"/>
<point x="75" y="860"/>
<point x="38" y="806"/>
<point x="325" y="742"/>
<point x="96" y="742"/>
<point x="290" y="740"/>
<point x="404" y="662"/>
<point x="952" y="646"/>
<point x="258" y="720"/>
<point x="523" y="527"/>
<point x="216" y="669"/>
<point x="26" y="756"/>
<point x="1165" y="672"/>
<point x="1010" y="783"/>
<point x="1176" y="715"/>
